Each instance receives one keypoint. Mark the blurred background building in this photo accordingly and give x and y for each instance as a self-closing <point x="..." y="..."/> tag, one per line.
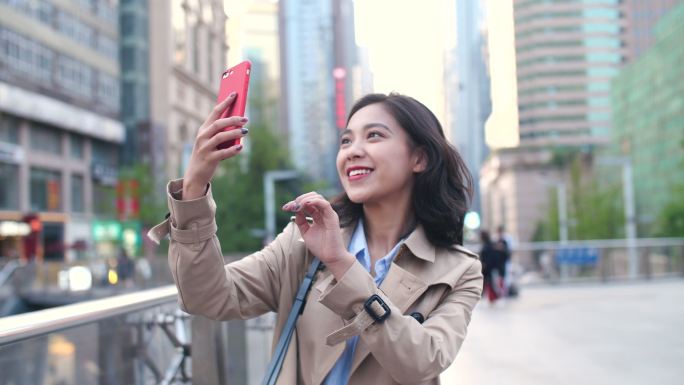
<point x="467" y="89"/>
<point x="317" y="52"/>
<point x="60" y="131"/>
<point x="648" y="116"/>
<point x="566" y="57"/>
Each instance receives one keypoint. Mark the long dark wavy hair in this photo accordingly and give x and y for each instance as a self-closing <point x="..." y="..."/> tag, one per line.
<point x="442" y="193"/>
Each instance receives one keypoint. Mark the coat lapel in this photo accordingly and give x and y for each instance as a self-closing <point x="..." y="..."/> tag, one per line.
<point x="325" y="323"/>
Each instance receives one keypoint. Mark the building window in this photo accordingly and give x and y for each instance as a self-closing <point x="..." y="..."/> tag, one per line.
<point x="76" y="146"/>
<point x="104" y="153"/>
<point x="179" y="23"/>
<point x="77" y="193"/>
<point x="9" y="186"/>
<point x="45" y="190"/>
<point x="46" y="139"/>
<point x="74" y="76"/>
<point x="9" y="129"/>
<point x="108" y="90"/>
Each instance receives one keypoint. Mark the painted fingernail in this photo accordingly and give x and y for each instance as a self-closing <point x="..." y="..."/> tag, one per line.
<point x="244" y="120"/>
<point x="232" y="94"/>
<point x="244" y="130"/>
<point x="297" y="206"/>
<point x="238" y="148"/>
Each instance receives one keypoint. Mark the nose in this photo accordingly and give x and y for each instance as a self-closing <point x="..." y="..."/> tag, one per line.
<point x="354" y="150"/>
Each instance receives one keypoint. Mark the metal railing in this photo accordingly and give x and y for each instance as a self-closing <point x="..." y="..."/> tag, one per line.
<point x="137" y="338"/>
<point x="599" y="260"/>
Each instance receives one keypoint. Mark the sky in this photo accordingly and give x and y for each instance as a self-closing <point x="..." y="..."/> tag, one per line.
<point x="406" y="41"/>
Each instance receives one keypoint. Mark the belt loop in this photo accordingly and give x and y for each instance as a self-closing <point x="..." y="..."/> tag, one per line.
<point x="195" y="227"/>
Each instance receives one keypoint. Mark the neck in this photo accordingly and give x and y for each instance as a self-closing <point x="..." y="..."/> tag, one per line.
<point x="385" y="223"/>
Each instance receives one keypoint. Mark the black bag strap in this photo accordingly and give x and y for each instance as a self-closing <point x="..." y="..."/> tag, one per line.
<point x="276" y="363"/>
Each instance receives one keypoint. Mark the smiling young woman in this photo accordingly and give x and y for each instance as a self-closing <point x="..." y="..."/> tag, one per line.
<point x="394" y="299"/>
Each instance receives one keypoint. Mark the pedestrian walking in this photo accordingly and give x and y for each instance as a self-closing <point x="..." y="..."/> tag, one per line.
<point x="492" y="260"/>
<point x="393" y="297"/>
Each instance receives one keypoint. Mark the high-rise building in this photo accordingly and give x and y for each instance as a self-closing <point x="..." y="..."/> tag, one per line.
<point x="253" y="35"/>
<point x="566" y="53"/>
<point x="187" y="55"/>
<point x="641" y="19"/>
<point x="468" y="90"/>
<point x="59" y="119"/>
<point x="648" y="128"/>
<point x="313" y="65"/>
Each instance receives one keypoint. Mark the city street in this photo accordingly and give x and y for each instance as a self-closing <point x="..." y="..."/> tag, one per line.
<point x="591" y="334"/>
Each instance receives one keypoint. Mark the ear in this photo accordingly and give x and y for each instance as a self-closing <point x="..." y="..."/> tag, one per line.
<point x="419" y="160"/>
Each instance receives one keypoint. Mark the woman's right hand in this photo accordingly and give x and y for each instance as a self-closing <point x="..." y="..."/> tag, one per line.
<point x="206" y="155"/>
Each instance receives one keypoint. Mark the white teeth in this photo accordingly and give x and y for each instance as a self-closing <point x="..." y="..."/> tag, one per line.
<point x="359" y="172"/>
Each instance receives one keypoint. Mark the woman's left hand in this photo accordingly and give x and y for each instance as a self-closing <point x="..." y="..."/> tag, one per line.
<point x="323" y="236"/>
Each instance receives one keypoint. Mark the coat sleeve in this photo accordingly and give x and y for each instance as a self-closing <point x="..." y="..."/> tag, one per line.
<point x="242" y="289"/>
<point x="409" y="351"/>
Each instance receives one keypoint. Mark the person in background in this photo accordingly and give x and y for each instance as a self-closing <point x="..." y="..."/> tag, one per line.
<point x="491" y="259"/>
<point x="504" y="243"/>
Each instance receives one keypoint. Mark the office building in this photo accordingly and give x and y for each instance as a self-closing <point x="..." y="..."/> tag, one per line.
<point x="648" y="129"/>
<point x="468" y="90"/>
<point x="59" y="121"/>
<point x="315" y="55"/>
<point x="187" y="55"/>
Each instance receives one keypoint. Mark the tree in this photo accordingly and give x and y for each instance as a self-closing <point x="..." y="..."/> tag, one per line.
<point x="239" y="192"/>
<point x="670" y="222"/>
<point x="593" y="210"/>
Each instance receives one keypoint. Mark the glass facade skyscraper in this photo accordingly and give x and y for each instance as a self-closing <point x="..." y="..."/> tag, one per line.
<point x="648" y="119"/>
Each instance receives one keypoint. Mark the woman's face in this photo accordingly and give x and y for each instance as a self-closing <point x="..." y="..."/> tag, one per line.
<point x="375" y="161"/>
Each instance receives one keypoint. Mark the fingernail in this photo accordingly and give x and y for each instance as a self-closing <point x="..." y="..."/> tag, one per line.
<point x="239" y="147"/>
<point x="232" y="94"/>
<point x="297" y="206"/>
<point x="244" y="120"/>
<point x="244" y="130"/>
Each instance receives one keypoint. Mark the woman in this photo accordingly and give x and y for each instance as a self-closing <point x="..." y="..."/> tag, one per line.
<point x="391" y="242"/>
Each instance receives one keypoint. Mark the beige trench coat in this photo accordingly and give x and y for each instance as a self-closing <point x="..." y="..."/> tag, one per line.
<point x="443" y="285"/>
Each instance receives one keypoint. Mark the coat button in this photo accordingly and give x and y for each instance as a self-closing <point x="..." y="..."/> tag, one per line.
<point x="418" y="317"/>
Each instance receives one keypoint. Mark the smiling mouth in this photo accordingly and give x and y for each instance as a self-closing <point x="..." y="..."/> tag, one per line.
<point x="358" y="173"/>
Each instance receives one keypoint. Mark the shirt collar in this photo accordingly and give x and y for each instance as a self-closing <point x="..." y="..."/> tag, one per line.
<point x="417" y="241"/>
<point x="358" y="239"/>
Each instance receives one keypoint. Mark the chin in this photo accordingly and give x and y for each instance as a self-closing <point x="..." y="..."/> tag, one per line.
<point x="356" y="197"/>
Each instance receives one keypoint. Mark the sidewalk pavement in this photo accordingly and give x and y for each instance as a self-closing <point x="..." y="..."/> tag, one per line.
<point x="603" y="334"/>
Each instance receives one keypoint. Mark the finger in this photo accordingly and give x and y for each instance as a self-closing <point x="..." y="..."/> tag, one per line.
<point x="225" y="136"/>
<point x="220" y="108"/>
<point x="221" y="124"/>
<point x="295" y="204"/>
<point x="310" y="195"/>
<point x="301" y="222"/>
<point x="319" y="208"/>
<point x="219" y="155"/>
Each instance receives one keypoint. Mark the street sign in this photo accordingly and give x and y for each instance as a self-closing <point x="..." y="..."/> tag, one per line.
<point x="580" y="256"/>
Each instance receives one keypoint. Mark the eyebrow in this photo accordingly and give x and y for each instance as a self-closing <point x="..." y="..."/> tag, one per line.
<point x="367" y="127"/>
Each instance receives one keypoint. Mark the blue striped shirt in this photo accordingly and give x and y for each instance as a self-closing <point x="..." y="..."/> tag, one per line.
<point x="339" y="374"/>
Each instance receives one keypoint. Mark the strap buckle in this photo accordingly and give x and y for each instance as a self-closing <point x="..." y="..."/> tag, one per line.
<point x="377" y="317"/>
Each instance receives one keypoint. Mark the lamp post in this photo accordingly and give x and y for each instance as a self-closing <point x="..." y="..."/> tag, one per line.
<point x="270" y="178"/>
<point x="630" y="212"/>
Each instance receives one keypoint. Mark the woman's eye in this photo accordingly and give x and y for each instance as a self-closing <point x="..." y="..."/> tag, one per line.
<point x="345" y="141"/>
<point x="374" y="134"/>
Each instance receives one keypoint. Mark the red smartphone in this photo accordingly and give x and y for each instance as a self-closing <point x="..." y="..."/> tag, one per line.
<point x="234" y="79"/>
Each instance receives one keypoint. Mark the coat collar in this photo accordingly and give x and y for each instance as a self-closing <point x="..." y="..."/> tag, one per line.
<point x="417" y="242"/>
